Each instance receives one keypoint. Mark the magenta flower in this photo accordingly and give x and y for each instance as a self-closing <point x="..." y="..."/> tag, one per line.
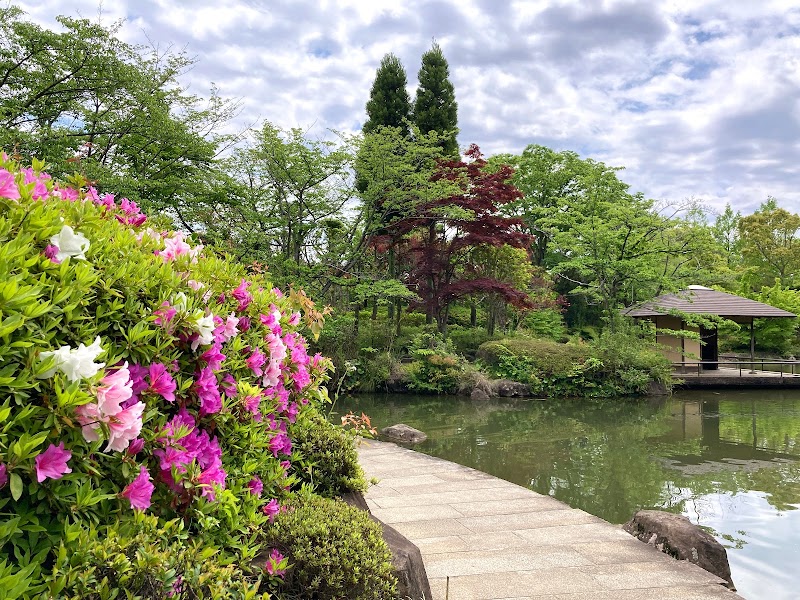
<point x="51" y="252"/>
<point x="301" y="378"/>
<point x="4" y="476"/>
<point x="242" y="295"/>
<point x="207" y="390"/>
<point x="135" y="446"/>
<point x="275" y="562"/>
<point x="280" y="444"/>
<point x="252" y="404"/>
<point x="138" y="374"/>
<point x="164" y="315"/>
<point x="139" y="491"/>
<point x="214" y="475"/>
<point x="255" y="361"/>
<point x="213" y="357"/>
<point x="291" y="412"/>
<point x="161" y="382"/>
<point x="255" y="485"/>
<point x="52" y="463"/>
<point x="229" y="386"/>
<point x="244" y="323"/>
<point x="294" y="319"/>
<point x="271" y="509"/>
<point x="8" y="187"/>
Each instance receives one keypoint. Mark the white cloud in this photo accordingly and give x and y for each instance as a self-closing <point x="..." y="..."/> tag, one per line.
<point x="695" y="98"/>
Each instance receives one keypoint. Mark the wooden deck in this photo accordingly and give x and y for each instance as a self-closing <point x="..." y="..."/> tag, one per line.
<point x="727" y="376"/>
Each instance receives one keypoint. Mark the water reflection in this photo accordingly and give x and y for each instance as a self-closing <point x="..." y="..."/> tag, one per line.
<point x="729" y="461"/>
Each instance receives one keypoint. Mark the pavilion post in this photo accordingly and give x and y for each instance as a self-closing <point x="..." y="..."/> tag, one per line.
<point x="752" y="345"/>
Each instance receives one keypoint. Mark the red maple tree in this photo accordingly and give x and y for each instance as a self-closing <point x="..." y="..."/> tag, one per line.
<point x="439" y="235"/>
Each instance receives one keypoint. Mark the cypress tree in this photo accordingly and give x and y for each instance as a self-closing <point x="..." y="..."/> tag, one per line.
<point x="435" y="107"/>
<point x="389" y="104"/>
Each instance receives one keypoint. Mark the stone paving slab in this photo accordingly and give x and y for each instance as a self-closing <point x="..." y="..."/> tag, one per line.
<point x="483" y="538"/>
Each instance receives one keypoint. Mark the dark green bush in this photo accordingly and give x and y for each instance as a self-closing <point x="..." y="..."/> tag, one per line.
<point x="326" y="458"/>
<point x="467" y="340"/>
<point x="335" y="550"/>
<point x="544" y="356"/>
<point x="436" y="368"/>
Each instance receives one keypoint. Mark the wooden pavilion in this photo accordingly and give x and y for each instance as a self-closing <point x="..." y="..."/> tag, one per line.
<point x="664" y="310"/>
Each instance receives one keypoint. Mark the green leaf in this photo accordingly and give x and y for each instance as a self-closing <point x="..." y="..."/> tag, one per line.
<point x="15" y="482"/>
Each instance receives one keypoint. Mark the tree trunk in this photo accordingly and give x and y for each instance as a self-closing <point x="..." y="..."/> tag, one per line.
<point x="473" y="315"/>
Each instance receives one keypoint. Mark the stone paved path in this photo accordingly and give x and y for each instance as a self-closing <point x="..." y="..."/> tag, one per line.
<point x="498" y="540"/>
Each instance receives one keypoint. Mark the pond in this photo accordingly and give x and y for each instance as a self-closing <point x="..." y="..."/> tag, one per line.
<point x="730" y="461"/>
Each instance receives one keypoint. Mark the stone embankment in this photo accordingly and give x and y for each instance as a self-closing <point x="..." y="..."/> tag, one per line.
<point x="483" y="538"/>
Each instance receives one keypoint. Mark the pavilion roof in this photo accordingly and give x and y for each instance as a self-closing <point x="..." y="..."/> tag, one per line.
<point x="701" y="300"/>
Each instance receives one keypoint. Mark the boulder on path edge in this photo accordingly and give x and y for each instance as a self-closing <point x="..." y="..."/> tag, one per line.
<point x="677" y="536"/>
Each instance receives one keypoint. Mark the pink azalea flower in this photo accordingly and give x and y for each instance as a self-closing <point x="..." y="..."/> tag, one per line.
<point x="255" y="361"/>
<point x="207" y="390"/>
<point x="107" y="200"/>
<point x="280" y="444"/>
<point x="8" y="187"/>
<point x="254" y="485"/>
<point x="164" y="314"/>
<point x="294" y="320"/>
<point x="161" y="382"/>
<point x="214" y="475"/>
<point x="292" y="411"/>
<point x="139" y="491"/>
<point x="272" y="374"/>
<point x="301" y="378"/>
<point x="135" y="446"/>
<point x="195" y="285"/>
<point x="271" y="509"/>
<point x="213" y="357"/>
<point x="252" y="404"/>
<point x="51" y="252"/>
<point x="138" y="375"/>
<point x="114" y="389"/>
<point x="52" y="463"/>
<point x="229" y="386"/>
<point x="244" y="323"/>
<point x="124" y="427"/>
<point x="242" y="295"/>
<point x="174" y="247"/>
<point x="277" y="292"/>
<point x="273" y="566"/>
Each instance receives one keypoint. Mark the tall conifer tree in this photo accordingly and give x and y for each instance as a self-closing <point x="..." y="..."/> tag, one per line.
<point x="435" y="107"/>
<point x="389" y="103"/>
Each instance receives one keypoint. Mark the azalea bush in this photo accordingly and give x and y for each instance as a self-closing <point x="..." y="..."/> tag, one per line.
<point x="139" y="374"/>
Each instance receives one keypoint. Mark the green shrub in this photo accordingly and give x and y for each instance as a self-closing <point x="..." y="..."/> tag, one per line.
<point x="467" y="340"/>
<point x="128" y="381"/>
<point x="545" y="323"/>
<point x="618" y="363"/>
<point x="325" y="457"/>
<point x="544" y="356"/>
<point x="336" y="551"/>
<point x="436" y="368"/>
<point x="146" y="560"/>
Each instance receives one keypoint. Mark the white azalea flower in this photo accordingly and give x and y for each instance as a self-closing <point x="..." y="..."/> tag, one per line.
<point x="204" y="326"/>
<point x="76" y="364"/>
<point x="69" y="244"/>
<point x="178" y="302"/>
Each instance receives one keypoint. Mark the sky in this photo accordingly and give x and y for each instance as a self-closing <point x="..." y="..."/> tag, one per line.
<point x="695" y="98"/>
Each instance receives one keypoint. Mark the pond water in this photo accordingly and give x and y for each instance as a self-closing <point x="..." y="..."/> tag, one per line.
<point x="730" y="461"/>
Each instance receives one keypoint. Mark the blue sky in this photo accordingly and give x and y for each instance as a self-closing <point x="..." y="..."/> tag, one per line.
<point x="696" y="99"/>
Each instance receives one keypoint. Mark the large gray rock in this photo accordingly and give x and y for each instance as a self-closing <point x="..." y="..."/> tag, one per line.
<point x="505" y="388"/>
<point x="412" y="580"/>
<point x="677" y="536"/>
<point x="403" y="433"/>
